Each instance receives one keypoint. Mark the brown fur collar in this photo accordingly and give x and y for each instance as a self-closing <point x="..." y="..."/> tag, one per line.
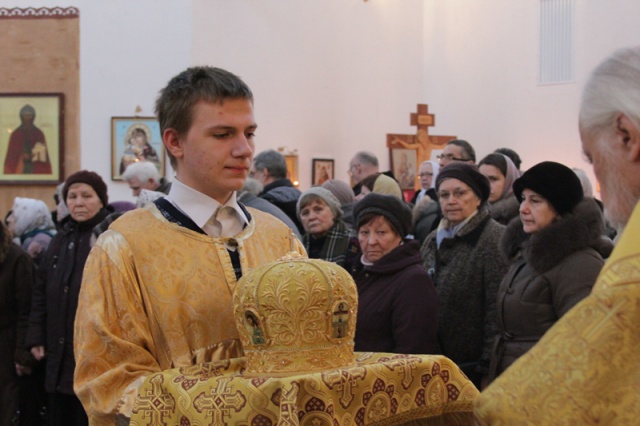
<point x="581" y="229"/>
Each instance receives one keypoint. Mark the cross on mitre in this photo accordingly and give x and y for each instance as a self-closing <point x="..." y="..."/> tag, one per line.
<point x="422" y="143"/>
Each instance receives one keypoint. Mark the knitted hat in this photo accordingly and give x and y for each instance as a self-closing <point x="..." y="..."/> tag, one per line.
<point x="325" y="195"/>
<point x="387" y="185"/>
<point x="90" y="178"/>
<point x="340" y="189"/>
<point x="469" y="174"/>
<point x="555" y="182"/>
<point x="390" y="207"/>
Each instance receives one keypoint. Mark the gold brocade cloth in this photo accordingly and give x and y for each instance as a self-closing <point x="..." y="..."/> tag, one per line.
<point x="380" y="389"/>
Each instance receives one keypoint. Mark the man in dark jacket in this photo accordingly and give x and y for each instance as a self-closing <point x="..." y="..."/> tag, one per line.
<point x="270" y="168"/>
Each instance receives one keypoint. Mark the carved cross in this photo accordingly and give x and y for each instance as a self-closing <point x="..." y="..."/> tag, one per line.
<point x="421" y="142"/>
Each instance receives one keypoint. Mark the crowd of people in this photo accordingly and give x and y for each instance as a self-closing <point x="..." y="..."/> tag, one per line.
<point x="496" y="268"/>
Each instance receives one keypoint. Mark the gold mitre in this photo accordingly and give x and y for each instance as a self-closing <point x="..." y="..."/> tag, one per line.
<point x="296" y="315"/>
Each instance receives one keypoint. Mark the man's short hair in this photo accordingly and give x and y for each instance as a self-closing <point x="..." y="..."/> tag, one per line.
<point x="366" y="157"/>
<point x="273" y="161"/>
<point x="467" y="149"/>
<point x="612" y="88"/>
<point x="174" y="107"/>
<point x="143" y="171"/>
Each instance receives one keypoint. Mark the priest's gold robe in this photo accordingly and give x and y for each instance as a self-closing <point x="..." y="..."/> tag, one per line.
<point x="585" y="370"/>
<point x="156" y="296"/>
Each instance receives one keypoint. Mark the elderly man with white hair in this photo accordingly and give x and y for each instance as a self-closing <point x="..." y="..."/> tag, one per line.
<point x="585" y="369"/>
<point x="145" y="175"/>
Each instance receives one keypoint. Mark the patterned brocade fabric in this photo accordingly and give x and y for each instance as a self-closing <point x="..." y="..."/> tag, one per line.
<point x="380" y="389"/>
<point x="584" y="371"/>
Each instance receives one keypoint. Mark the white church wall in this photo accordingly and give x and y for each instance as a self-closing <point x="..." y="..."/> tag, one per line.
<point x="481" y="62"/>
<point x="330" y="77"/>
<point x="128" y="51"/>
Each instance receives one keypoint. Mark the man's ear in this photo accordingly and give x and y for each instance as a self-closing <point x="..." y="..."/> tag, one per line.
<point x="172" y="142"/>
<point x="630" y="134"/>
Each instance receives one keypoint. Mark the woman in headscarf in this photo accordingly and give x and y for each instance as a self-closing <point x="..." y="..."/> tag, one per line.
<point x="501" y="172"/>
<point x="326" y="235"/>
<point x="397" y="311"/>
<point x="463" y="260"/>
<point x="556" y="249"/>
<point x="32" y="226"/>
<point x="55" y="295"/>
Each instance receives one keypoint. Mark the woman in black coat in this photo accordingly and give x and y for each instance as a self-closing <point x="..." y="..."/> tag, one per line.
<point x="463" y="260"/>
<point x="556" y="249"/>
<point x="397" y="310"/>
<point x="16" y="279"/>
<point x="55" y="295"/>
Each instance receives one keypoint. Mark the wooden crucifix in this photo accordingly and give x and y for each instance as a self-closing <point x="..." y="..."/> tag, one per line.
<point x="408" y="151"/>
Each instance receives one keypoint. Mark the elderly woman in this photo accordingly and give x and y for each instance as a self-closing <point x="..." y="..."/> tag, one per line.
<point x="556" y="250"/>
<point x="32" y="226"/>
<point x="462" y="257"/>
<point x="501" y="172"/>
<point x="326" y="236"/>
<point x="55" y="295"/>
<point x="397" y="311"/>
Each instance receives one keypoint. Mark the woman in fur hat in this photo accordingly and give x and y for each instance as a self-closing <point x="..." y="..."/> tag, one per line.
<point x="556" y="249"/>
<point x="55" y="294"/>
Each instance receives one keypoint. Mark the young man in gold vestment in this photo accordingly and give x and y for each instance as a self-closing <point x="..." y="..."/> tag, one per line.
<point x="158" y="285"/>
<point x="584" y="371"/>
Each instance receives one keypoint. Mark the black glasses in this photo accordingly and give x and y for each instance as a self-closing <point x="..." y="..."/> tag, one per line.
<point x="450" y="157"/>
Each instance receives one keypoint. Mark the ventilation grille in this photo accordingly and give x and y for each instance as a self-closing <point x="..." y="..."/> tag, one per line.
<point x="556" y="41"/>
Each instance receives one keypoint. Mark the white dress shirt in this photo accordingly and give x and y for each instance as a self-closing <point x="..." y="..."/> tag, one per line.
<point x="217" y="220"/>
